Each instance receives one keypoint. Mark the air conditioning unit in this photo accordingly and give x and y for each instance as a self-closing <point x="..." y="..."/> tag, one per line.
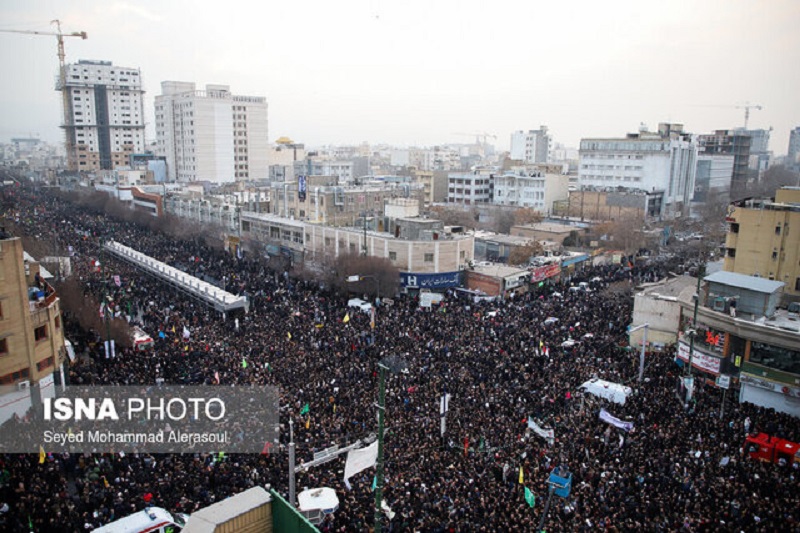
<point x="24" y="385"/>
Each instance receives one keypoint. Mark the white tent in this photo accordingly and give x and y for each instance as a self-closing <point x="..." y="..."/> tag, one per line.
<point x="606" y="389"/>
<point x="322" y="499"/>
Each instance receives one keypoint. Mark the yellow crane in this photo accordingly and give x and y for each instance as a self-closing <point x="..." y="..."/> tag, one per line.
<point x="747" y="106"/>
<point x="62" y="79"/>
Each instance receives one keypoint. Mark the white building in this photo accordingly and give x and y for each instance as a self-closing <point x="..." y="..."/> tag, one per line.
<point x="211" y="135"/>
<point x="532" y="146"/>
<point x="650" y="161"/>
<point x="530" y="188"/>
<point x="105" y="122"/>
<point x="470" y="188"/>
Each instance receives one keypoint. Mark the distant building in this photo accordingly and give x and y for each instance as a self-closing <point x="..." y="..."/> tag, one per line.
<point x="211" y="135"/>
<point x="106" y="115"/>
<point x="534" y="189"/>
<point x="760" y="241"/>
<point x="794" y="150"/>
<point x="733" y="143"/>
<point x="759" y="149"/>
<point x="664" y="161"/>
<point x="713" y="177"/>
<point x="532" y="146"/>
<point x="657" y="305"/>
<point x="470" y="188"/>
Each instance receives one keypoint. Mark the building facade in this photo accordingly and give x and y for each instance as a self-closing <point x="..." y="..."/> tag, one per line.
<point x="761" y="241"/>
<point x="31" y="330"/>
<point x="211" y="135"/>
<point x="470" y="188"/>
<point x="663" y="161"/>
<point x="533" y="189"/>
<point x="713" y="177"/>
<point x="732" y="143"/>
<point x="104" y="121"/>
<point x="793" y="158"/>
<point x="532" y="146"/>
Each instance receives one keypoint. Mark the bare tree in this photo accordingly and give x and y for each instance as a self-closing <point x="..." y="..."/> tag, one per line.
<point x="526" y="216"/>
<point x="521" y="255"/>
<point x="456" y="216"/>
<point x="378" y="275"/>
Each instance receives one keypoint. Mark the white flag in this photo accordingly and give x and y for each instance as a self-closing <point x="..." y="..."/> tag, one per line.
<point x="444" y="404"/>
<point x="360" y="459"/>
<point x="186" y="333"/>
<point x="548" y="434"/>
<point x="607" y="417"/>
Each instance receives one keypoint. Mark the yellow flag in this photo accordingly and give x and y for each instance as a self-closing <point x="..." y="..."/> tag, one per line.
<point x="173" y="329"/>
<point x="308" y="422"/>
<point x="42" y="455"/>
<point x="521" y="476"/>
<point x="289" y="335"/>
<point x="346" y="318"/>
<point x="105" y="482"/>
<point x="334" y="408"/>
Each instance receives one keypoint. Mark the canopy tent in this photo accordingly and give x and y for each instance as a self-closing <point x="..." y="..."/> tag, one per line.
<point x="606" y="389"/>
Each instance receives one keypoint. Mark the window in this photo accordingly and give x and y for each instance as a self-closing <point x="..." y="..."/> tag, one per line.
<point x="57" y="322"/>
<point x="774" y="255"/>
<point x="40" y="333"/>
<point x="429" y="258"/>
<point x="777" y="230"/>
<point x="393" y="256"/>
<point x="3" y="347"/>
<point x="797" y="284"/>
<point x="46" y="363"/>
<point x="731" y="252"/>
<point x="734" y="227"/>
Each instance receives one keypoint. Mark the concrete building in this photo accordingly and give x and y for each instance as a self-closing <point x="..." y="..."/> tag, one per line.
<point x="599" y="204"/>
<point x="530" y="188"/>
<point x="656" y="305"/>
<point x="211" y="135"/>
<point x="322" y="200"/>
<point x="793" y="159"/>
<point x="732" y="143"/>
<point x="105" y="121"/>
<point x="544" y="232"/>
<point x="532" y="146"/>
<point x="713" y="177"/>
<point x="664" y="161"/>
<point x="341" y="171"/>
<point x="761" y="242"/>
<point x="425" y="253"/>
<point x="31" y="329"/>
<point x="434" y="184"/>
<point x="760" y="154"/>
<point x="755" y="342"/>
<point x="470" y="188"/>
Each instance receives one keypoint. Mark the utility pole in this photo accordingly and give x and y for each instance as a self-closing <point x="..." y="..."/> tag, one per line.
<point x="379" y="473"/>
<point x="292" y="488"/>
<point x="106" y="318"/>
<point x="693" y="331"/>
<point x="644" y="345"/>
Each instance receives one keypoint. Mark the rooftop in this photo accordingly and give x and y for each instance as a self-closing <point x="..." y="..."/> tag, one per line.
<point x="751" y="283"/>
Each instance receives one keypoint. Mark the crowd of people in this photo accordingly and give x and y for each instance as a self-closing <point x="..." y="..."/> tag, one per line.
<point x="503" y="363"/>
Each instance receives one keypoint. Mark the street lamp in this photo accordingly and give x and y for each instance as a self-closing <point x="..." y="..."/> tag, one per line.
<point x="644" y="344"/>
<point x="392" y="364"/>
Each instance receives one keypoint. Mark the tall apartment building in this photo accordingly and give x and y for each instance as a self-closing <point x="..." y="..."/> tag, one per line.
<point x="733" y="143"/>
<point x="793" y="159"/>
<point x="211" y="135"/>
<point x="761" y="241"/>
<point x="31" y="331"/>
<point x="532" y="146"/>
<point x="759" y="148"/>
<point x="664" y="161"/>
<point x="104" y="120"/>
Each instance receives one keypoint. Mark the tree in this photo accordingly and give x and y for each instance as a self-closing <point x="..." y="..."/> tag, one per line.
<point x="378" y="274"/>
<point x="626" y="233"/>
<point x="456" y="216"/>
<point x="773" y="179"/>
<point x="526" y="216"/>
<point x="521" y="255"/>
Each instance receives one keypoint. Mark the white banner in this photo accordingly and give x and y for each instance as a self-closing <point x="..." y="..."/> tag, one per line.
<point x="607" y="417"/>
<point x="548" y="434"/>
<point x="700" y="360"/>
<point x="359" y="460"/>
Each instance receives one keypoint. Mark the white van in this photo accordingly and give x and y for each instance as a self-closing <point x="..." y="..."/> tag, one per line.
<point x="151" y="520"/>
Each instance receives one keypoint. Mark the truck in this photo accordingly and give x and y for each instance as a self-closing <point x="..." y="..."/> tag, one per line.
<point x="770" y="449"/>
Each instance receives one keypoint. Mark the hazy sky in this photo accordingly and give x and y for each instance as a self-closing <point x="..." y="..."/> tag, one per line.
<point x="415" y="72"/>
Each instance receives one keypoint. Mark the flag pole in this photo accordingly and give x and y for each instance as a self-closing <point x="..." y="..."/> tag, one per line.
<point x="379" y="475"/>
<point x="291" y="464"/>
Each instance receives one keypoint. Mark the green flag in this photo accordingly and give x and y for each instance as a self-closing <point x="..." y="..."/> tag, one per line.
<point x="374" y="482"/>
<point x="30" y="524"/>
<point x="304" y="410"/>
<point x="530" y="497"/>
<point x="244" y="362"/>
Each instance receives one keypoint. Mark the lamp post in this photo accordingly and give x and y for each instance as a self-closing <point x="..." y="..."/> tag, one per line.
<point x="644" y="345"/>
<point x="693" y="331"/>
<point x="106" y="318"/>
<point x="391" y="364"/>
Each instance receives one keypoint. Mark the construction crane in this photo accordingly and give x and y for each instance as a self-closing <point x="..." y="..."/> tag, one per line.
<point x="747" y="106"/>
<point x="478" y="136"/>
<point x="62" y="79"/>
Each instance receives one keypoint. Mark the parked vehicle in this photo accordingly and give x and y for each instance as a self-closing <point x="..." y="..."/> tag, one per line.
<point x="764" y="447"/>
<point x="151" y="520"/>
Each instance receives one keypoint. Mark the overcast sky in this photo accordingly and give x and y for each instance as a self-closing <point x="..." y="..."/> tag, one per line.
<point x="416" y="72"/>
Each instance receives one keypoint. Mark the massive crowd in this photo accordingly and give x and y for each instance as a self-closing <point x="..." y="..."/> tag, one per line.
<point x="681" y="468"/>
